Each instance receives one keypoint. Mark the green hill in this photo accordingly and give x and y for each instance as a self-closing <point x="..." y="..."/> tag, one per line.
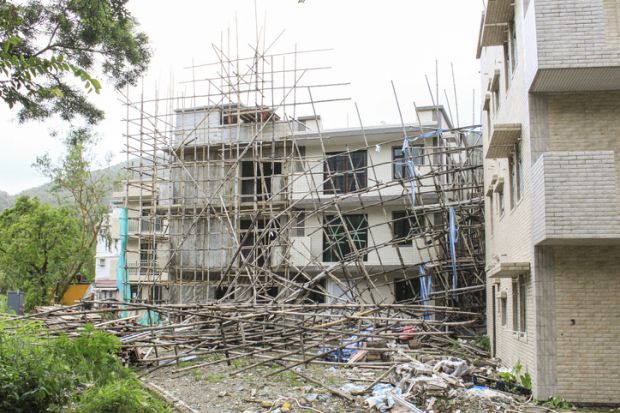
<point x="43" y="191"/>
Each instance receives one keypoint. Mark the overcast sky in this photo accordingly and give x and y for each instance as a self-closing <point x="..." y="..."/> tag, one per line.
<point x="374" y="42"/>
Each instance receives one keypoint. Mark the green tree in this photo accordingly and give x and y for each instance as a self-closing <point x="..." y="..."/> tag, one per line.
<point x="38" y="245"/>
<point x="87" y="194"/>
<point x="50" y="51"/>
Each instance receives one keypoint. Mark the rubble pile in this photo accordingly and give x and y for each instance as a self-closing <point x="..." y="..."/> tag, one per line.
<point x="438" y="385"/>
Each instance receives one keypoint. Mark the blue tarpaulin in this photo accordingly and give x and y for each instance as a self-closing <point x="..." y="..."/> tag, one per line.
<point x="426" y="288"/>
<point x="121" y="267"/>
<point x="453" y="235"/>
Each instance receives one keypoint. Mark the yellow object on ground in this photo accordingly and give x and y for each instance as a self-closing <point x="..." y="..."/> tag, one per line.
<point x="74" y="293"/>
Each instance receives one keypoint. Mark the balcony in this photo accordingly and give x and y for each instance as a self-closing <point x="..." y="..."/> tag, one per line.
<point x="504" y="136"/>
<point x="146" y="226"/>
<point x="202" y="133"/>
<point x="574" y="198"/>
<point x="577" y="46"/>
<point x="494" y="23"/>
<point x="508" y="269"/>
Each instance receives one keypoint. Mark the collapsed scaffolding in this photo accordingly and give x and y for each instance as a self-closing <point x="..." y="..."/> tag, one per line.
<point x="235" y="193"/>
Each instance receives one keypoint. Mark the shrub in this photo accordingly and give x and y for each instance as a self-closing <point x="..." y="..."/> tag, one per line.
<point x="483" y="342"/>
<point x="39" y="373"/>
<point x="123" y="396"/>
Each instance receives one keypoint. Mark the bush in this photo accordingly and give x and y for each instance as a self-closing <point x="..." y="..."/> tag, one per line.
<point x="483" y="342"/>
<point x="124" y="396"/>
<point x="39" y="373"/>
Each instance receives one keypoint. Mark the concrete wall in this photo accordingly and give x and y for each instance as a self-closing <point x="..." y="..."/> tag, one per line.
<point x="380" y="166"/>
<point x="305" y="250"/>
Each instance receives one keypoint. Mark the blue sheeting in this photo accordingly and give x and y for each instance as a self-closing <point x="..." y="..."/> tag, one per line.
<point x="342" y="355"/>
<point x="121" y="268"/>
<point x="453" y="235"/>
<point x="426" y="288"/>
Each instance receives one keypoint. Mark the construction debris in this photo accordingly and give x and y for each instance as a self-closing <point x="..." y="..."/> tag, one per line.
<point x="399" y="359"/>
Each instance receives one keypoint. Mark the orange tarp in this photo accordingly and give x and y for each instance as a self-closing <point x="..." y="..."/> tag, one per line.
<point x="74" y="293"/>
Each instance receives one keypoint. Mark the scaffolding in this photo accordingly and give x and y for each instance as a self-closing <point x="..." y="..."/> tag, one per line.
<point x="236" y="193"/>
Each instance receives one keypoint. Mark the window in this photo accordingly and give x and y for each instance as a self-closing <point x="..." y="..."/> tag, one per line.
<point x="300" y="157"/>
<point x="229" y="119"/>
<point x="102" y="262"/>
<point x="134" y="292"/>
<point x="336" y="243"/>
<point x="515" y="166"/>
<point x="406" y="290"/>
<point x="510" y="52"/>
<point x="491" y="214"/>
<point x="400" y="168"/>
<point x="503" y="308"/>
<point x="519" y="296"/>
<point x="222" y="291"/>
<point x="405" y="226"/>
<point x="500" y="201"/>
<point x="495" y="94"/>
<point x="299" y="226"/>
<point x="513" y="45"/>
<point x="520" y="174"/>
<point x="256" y="179"/>
<point x="107" y="295"/>
<point x="156" y="293"/>
<point x="147" y="254"/>
<point x="348" y="172"/>
<point x="507" y="69"/>
<point x="513" y="182"/>
<point x="317" y="293"/>
<point x="254" y="240"/>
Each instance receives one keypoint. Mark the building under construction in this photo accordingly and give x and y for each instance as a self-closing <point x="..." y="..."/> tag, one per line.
<point x="236" y="192"/>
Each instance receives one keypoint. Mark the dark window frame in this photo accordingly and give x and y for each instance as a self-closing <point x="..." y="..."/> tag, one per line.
<point x="405" y="226"/>
<point x="338" y="248"/>
<point x="406" y="290"/>
<point x="399" y="165"/>
<point x="348" y="172"/>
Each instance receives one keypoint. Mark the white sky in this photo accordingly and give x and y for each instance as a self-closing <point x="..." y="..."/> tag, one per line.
<point x="374" y="42"/>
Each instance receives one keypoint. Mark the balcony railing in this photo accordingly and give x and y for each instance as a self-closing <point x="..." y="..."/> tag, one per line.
<point x="146" y="225"/>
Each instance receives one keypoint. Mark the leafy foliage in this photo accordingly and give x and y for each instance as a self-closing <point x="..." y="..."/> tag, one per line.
<point x="38" y="246"/>
<point x="47" y="374"/>
<point x="515" y="376"/>
<point x="557" y="402"/>
<point x="123" y="396"/>
<point x="47" y="48"/>
<point x="483" y="342"/>
<point x="86" y="191"/>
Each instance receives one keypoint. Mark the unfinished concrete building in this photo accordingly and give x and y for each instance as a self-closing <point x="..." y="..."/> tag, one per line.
<point x="551" y="73"/>
<point x="247" y="198"/>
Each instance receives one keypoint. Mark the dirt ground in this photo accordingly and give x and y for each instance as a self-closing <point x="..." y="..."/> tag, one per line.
<point x="214" y="389"/>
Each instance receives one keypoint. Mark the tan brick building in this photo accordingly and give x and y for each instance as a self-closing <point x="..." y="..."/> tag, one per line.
<point x="551" y="114"/>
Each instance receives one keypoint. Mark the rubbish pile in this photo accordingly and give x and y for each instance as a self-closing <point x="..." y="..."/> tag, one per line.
<point x="439" y="384"/>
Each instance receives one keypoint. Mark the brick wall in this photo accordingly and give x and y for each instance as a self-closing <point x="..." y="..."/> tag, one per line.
<point x="567" y="206"/>
<point x="577" y="33"/>
<point x="584" y="122"/>
<point x="587" y="319"/>
<point x="508" y="237"/>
